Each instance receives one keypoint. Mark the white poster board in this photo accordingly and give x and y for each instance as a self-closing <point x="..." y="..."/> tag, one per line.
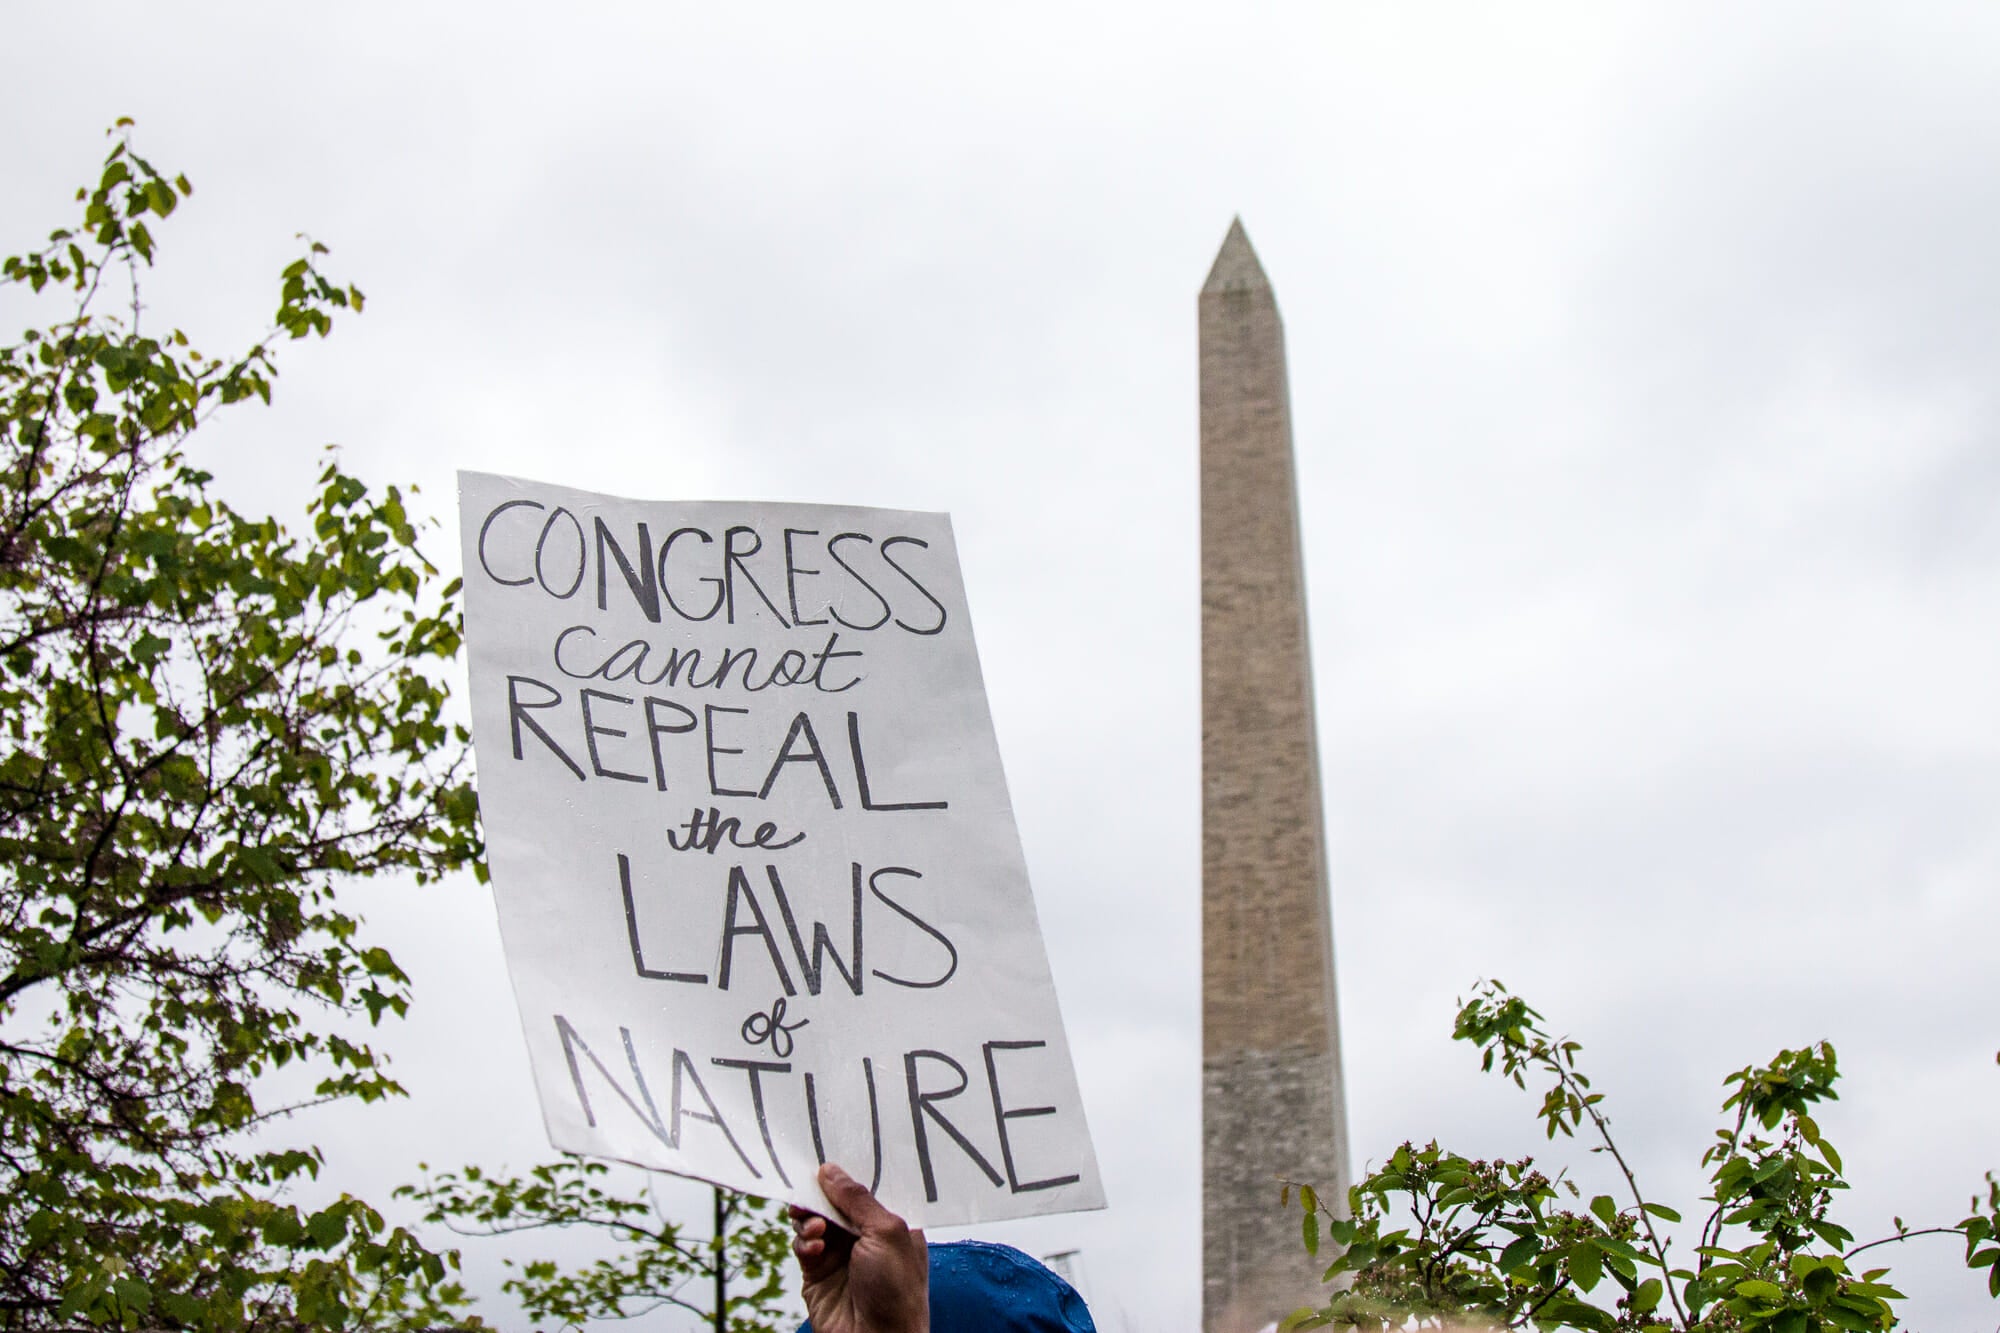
<point x="759" y="884"/>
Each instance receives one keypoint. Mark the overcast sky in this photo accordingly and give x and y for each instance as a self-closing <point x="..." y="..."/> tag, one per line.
<point x="1643" y="363"/>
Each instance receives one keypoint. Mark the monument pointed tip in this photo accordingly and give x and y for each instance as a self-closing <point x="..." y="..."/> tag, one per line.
<point x="1236" y="267"/>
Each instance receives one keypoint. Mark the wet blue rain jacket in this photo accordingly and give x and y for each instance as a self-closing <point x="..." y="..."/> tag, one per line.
<point x="978" y="1287"/>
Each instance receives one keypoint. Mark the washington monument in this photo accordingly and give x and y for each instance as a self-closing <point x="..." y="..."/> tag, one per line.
<point x="1271" y="1098"/>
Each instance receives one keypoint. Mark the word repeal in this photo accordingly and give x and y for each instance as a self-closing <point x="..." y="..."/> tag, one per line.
<point x="655" y="719"/>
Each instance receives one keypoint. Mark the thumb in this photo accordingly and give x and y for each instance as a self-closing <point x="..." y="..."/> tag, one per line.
<point x="856" y="1202"/>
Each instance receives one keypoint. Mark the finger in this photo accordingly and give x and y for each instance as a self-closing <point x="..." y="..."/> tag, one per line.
<point x="814" y="1265"/>
<point x="855" y="1202"/>
<point x="824" y="1252"/>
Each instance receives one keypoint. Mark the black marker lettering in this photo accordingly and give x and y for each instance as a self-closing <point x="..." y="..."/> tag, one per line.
<point x="921" y="1106"/>
<point x="767" y="831"/>
<point x="656" y="729"/>
<point x="709" y="829"/>
<point x="1001" y="1116"/>
<point x="591" y="731"/>
<point x="484" y="527"/>
<point x="556" y="653"/>
<point x="678" y="662"/>
<point x="868" y="801"/>
<point x="666" y="549"/>
<point x="632" y="932"/>
<point x="791" y="664"/>
<point x="874" y="1122"/>
<point x="825" y="655"/>
<point x="694" y="827"/>
<point x="756" y="1069"/>
<point x="685" y="1067"/>
<point x="833" y="549"/>
<point x="708" y="712"/>
<point x="801" y="726"/>
<point x="810" y="964"/>
<point x="649" y="1115"/>
<point x="740" y="890"/>
<point x="541" y="551"/>
<point x="792" y="571"/>
<point x="517" y="717"/>
<point x="643" y="581"/>
<point x="916" y="921"/>
<point x="730" y="658"/>
<point x="890" y="561"/>
<point x="732" y="565"/>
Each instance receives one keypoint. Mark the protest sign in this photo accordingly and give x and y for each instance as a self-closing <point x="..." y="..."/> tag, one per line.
<point x="759" y="884"/>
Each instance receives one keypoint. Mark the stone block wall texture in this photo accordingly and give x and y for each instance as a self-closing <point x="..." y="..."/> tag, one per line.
<point x="1272" y="1102"/>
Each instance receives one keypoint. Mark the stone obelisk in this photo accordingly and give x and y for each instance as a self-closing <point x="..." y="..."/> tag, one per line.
<point x="1271" y="1099"/>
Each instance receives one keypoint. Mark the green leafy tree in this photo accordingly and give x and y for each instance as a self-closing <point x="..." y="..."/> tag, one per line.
<point x="207" y="724"/>
<point x="1439" y="1240"/>
<point x="732" y="1278"/>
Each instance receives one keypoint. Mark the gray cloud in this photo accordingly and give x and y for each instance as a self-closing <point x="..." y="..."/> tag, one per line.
<point x="1641" y="366"/>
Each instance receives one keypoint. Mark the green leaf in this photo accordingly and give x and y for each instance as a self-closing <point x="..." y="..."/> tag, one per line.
<point x="326" y="1228"/>
<point x="1520" y="1252"/>
<point x="203" y="748"/>
<point x="133" y="1295"/>
<point x="1580" y="1314"/>
<point x="1841" y="1315"/>
<point x="1585" y="1265"/>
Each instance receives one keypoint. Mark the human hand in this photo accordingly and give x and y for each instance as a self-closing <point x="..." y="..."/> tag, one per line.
<point x="875" y="1282"/>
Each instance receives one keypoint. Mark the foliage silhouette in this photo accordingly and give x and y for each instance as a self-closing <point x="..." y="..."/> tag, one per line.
<point x="207" y="722"/>
<point x="1438" y="1240"/>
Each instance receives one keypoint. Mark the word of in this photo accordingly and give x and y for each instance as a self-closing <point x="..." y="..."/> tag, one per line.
<point x="761" y="1027"/>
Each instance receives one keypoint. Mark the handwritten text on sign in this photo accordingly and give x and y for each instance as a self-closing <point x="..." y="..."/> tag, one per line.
<point x="759" y="883"/>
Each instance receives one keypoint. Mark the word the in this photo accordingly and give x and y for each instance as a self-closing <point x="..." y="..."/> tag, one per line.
<point x="708" y="829"/>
